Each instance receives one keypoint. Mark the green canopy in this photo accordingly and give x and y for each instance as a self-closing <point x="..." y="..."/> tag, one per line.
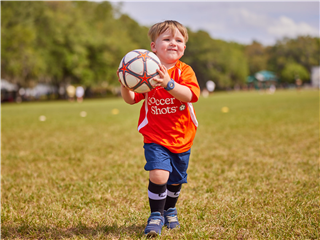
<point x="265" y="76"/>
<point x="251" y="79"/>
<point x="262" y="76"/>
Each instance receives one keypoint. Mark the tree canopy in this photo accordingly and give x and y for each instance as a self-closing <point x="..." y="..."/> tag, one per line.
<point x="79" y="42"/>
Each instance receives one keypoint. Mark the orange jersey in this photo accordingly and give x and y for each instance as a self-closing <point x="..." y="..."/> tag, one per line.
<point x="165" y="120"/>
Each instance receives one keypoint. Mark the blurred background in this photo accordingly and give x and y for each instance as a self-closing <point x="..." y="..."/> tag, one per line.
<point x="72" y="49"/>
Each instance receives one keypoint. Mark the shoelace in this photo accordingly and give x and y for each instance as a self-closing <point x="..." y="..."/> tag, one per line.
<point x="173" y="218"/>
<point x="155" y="221"/>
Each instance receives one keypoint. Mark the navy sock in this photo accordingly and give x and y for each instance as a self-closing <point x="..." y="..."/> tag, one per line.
<point x="157" y="197"/>
<point x="172" y="196"/>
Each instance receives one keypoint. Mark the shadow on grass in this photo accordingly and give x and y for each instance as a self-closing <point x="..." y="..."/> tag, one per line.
<point x="42" y="232"/>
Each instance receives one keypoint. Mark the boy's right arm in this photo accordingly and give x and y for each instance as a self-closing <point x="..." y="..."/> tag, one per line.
<point x="127" y="95"/>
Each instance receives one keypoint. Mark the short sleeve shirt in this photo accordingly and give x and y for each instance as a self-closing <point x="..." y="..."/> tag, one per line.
<point x="166" y="120"/>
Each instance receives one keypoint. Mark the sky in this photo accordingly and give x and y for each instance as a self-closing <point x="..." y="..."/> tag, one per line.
<point x="238" y="21"/>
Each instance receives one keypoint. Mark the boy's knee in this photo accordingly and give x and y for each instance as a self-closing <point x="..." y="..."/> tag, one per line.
<point x="159" y="176"/>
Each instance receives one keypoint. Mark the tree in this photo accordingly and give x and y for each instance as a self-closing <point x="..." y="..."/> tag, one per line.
<point x="65" y="42"/>
<point x="216" y="60"/>
<point x="303" y="50"/>
<point x="256" y="57"/>
<point x="21" y="60"/>
<point x="293" y="71"/>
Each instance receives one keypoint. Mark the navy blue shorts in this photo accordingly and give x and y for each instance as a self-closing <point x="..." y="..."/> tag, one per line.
<point x="159" y="157"/>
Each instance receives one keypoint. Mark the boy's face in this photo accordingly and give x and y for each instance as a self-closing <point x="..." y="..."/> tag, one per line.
<point x="169" y="47"/>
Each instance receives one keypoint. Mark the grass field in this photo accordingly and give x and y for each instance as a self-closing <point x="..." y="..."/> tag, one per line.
<point x="253" y="172"/>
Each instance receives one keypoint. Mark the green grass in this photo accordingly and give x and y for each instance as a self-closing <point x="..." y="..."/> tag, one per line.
<point x="253" y="172"/>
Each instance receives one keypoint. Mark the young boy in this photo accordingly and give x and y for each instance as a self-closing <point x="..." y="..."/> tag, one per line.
<point x="168" y="123"/>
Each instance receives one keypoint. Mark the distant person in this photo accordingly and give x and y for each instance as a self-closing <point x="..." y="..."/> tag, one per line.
<point x="79" y="93"/>
<point x="205" y="93"/>
<point x="71" y="91"/>
<point x="298" y="83"/>
<point x="168" y="124"/>
<point x="272" y="89"/>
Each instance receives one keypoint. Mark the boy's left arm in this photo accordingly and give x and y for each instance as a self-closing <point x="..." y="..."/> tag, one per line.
<point x="180" y="92"/>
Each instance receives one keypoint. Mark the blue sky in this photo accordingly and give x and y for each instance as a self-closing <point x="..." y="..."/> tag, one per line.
<point x="239" y="21"/>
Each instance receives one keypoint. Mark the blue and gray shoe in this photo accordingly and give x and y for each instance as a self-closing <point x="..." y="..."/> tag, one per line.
<point x="171" y="218"/>
<point x="155" y="224"/>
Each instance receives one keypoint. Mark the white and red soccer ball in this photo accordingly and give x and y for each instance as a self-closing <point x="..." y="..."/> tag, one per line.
<point x="136" y="70"/>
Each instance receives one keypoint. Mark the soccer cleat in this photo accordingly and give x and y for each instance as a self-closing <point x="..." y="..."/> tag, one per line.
<point x="171" y="218"/>
<point x="155" y="224"/>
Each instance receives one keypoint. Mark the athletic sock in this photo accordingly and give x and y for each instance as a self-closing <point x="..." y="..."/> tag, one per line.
<point x="172" y="196"/>
<point x="157" y="197"/>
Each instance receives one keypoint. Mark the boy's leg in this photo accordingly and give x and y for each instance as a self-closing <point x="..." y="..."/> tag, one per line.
<point x="178" y="176"/>
<point x="157" y="193"/>
<point x="170" y="213"/>
<point x="157" y="197"/>
<point x="173" y="192"/>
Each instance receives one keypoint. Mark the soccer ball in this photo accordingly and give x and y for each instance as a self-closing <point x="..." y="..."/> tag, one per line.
<point x="136" y="70"/>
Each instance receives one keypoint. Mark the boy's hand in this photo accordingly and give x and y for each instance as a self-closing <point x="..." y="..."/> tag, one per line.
<point x="163" y="78"/>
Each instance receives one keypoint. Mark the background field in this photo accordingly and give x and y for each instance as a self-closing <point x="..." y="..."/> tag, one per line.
<point x="253" y="172"/>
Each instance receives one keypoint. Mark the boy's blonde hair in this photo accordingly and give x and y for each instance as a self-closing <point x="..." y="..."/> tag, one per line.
<point x="159" y="28"/>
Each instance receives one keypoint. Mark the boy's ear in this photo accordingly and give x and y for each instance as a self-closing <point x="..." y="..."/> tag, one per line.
<point x="153" y="47"/>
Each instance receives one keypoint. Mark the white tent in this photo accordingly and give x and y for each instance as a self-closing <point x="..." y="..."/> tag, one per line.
<point x="10" y="87"/>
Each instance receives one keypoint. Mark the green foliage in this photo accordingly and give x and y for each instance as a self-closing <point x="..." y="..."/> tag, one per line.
<point x="257" y="57"/>
<point x="64" y="42"/>
<point x="21" y="59"/>
<point x="138" y="34"/>
<point x="216" y="60"/>
<point x="83" y="42"/>
<point x="293" y="71"/>
<point x="303" y="50"/>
